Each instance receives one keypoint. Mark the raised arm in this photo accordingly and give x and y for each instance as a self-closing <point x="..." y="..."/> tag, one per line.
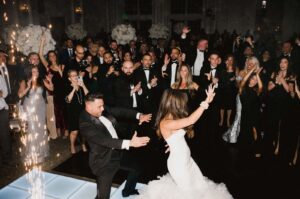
<point x="171" y="125"/>
<point x="244" y="80"/>
<point x="41" y="52"/>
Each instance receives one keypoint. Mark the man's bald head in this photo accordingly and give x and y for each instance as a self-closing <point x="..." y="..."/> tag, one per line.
<point x="127" y="67"/>
<point x="79" y="51"/>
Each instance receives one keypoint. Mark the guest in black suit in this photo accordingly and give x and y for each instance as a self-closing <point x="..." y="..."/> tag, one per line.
<point x="98" y="61"/>
<point x="67" y="53"/>
<point x="127" y="89"/>
<point x="170" y="67"/>
<point x="210" y="75"/>
<point x="149" y="83"/>
<point x="127" y="94"/>
<point x="114" y="51"/>
<point x="99" y="127"/>
<point x="196" y="57"/>
<point x="107" y="75"/>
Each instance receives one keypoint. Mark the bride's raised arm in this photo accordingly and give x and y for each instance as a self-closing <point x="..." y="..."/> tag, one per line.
<point x="171" y="125"/>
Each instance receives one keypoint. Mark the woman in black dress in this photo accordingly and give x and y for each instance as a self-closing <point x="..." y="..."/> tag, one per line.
<point x="56" y="70"/>
<point x="250" y="136"/>
<point x="276" y="106"/>
<point x="75" y="91"/>
<point x="289" y="131"/>
<point x="228" y="90"/>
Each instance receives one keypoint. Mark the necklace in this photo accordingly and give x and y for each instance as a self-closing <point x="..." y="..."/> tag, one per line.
<point x="79" y="97"/>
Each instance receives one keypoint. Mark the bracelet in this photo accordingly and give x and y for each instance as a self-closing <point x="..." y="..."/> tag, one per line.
<point x="204" y="105"/>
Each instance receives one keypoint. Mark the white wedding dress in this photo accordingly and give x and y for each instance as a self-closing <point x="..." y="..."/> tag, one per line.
<point x="184" y="180"/>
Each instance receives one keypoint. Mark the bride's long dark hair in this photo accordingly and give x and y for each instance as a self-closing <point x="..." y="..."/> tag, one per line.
<point x="174" y="105"/>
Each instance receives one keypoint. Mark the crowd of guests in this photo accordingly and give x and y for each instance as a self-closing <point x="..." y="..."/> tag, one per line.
<point x="257" y="94"/>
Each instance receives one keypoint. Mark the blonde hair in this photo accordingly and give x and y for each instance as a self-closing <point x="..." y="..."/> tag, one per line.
<point x="252" y="59"/>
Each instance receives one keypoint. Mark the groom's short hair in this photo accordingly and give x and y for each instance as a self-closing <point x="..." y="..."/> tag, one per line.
<point x="92" y="96"/>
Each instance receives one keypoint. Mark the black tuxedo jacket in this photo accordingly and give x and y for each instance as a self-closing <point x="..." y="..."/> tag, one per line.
<point x="64" y="56"/>
<point x="167" y="78"/>
<point x="121" y="91"/>
<point x="150" y="95"/>
<point x="207" y="69"/>
<point x="205" y="82"/>
<point x="100" y="141"/>
<point x="191" y="52"/>
<point x="141" y="77"/>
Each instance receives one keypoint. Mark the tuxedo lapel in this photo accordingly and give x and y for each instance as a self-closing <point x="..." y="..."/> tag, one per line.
<point x="99" y="124"/>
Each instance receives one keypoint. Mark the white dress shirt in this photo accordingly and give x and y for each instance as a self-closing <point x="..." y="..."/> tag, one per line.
<point x="4" y="72"/>
<point x="101" y="60"/>
<point x="147" y="73"/>
<point x="198" y="63"/>
<point x="107" y="123"/>
<point x="3" y="89"/>
<point x="133" y="96"/>
<point x="173" y="73"/>
<point x="70" y="51"/>
<point x="213" y="71"/>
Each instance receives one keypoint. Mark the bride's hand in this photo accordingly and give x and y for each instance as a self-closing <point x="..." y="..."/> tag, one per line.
<point x="210" y="93"/>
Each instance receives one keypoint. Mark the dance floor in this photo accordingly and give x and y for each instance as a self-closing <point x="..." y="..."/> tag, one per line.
<point x="58" y="187"/>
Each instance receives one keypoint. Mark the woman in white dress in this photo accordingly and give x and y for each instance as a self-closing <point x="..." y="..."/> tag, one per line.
<point x="184" y="179"/>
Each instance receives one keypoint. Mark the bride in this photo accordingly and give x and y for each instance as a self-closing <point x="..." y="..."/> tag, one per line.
<point x="184" y="179"/>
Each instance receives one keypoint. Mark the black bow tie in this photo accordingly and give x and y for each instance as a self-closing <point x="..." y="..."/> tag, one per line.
<point x="146" y="69"/>
<point x="201" y="51"/>
<point x="176" y="62"/>
<point x="211" y="68"/>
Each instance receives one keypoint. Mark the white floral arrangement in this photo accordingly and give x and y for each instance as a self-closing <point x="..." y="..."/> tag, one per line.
<point x="29" y="37"/>
<point x="76" y="31"/>
<point x="9" y="34"/>
<point x="178" y="28"/>
<point x="123" y="34"/>
<point x="159" y="31"/>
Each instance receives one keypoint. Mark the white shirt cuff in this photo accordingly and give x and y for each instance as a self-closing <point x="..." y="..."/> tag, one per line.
<point x="126" y="144"/>
<point x="183" y="36"/>
<point x="164" y="68"/>
<point x="149" y="85"/>
<point x="138" y="116"/>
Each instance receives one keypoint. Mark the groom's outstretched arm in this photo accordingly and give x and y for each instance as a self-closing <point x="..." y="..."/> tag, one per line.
<point x="125" y="113"/>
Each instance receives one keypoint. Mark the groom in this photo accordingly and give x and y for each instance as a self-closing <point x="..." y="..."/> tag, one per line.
<point x="99" y="127"/>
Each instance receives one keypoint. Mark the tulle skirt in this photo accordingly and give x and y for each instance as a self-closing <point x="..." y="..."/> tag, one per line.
<point x="166" y="188"/>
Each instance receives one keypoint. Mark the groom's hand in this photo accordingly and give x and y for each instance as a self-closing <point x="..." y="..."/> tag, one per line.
<point x="138" y="141"/>
<point x="145" y="118"/>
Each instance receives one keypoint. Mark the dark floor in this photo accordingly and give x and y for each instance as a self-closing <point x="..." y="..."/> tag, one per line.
<point x="254" y="178"/>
